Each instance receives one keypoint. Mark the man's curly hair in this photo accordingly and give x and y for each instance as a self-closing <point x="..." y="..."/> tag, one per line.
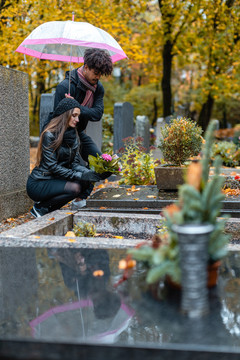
<point x="98" y="60"/>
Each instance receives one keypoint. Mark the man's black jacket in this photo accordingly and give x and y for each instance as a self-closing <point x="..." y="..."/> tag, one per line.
<point x="78" y="91"/>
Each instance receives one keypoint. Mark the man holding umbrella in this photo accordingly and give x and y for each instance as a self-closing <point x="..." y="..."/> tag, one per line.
<point x="86" y="88"/>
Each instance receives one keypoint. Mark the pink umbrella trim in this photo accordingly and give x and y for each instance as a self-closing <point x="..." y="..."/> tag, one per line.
<point x="74" y="306"/>
<point x="74" y="59"/>
<point x="60" y="309"/>
<point x="24" y="50"/>
<point x="71" y="42"/>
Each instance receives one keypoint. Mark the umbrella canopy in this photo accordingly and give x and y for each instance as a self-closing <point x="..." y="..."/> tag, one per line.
<point x="67" y="41"/>
<point x="77" y="321"/>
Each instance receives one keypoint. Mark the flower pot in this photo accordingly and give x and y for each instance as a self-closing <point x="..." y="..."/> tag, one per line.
<point x="213" y="273"/>
<point x="212" y="276"/>
<point x="169" y="177"/>
<point x="193" y="245"/>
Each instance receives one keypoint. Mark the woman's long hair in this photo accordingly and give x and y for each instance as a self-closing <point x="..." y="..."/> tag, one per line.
<point x="58" y="126"/>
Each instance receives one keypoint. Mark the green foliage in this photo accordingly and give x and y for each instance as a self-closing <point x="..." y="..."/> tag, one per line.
<point x="107" y="140"/>
<point x="146" y="100"/>
<point x="227" y="151"/>
<point x="181" y="140"/>
<point x="84" y="229"/>
<point x="199" y="202"/>
<point x="100" y="165"/>
<point x="203" y="204"/>
<point x="137" y="164"/>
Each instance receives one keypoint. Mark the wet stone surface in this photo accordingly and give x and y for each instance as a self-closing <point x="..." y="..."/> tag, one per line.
<point x="70" y="296"/>
<point x="147" y="198"/>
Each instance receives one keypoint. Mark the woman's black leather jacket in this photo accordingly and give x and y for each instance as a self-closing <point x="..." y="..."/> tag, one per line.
<point x="64" y="163"/>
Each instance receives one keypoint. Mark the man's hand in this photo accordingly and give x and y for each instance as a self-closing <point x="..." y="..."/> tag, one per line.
<point x="68" y="96"/>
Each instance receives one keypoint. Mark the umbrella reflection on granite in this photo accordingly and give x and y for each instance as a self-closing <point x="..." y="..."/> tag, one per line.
<point x="98" y="315"/>
<point x="78" y="321"/>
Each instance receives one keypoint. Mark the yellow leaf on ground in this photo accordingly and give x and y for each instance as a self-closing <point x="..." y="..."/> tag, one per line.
<point x="71" y="240"/>
<point x="69" y="213"/>
<point x="117" y="237"/>
<point x="103" y="207"/>
<point x="53" y="218"/>
<point x="151" y="196"/>
<point x="117" y="195"/>
<point x="136" y="199"/>
<point x="36" y="237"/>
<point x="70" y="234"/>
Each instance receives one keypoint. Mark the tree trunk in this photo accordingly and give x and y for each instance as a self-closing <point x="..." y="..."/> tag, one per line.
<point x="166" y="79"/>
<point x="205" y="113"/>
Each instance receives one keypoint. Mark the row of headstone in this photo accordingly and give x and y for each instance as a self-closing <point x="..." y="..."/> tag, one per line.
<point x="123" y="123"/>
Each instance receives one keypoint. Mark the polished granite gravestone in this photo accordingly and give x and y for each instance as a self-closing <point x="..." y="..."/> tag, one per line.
<point x="145" y="200"/>
<point x="64" y="304"/>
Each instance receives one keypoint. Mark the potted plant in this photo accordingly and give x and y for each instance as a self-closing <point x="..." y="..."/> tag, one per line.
<point x="199" y="203"/>
<point x="180" y="141"/>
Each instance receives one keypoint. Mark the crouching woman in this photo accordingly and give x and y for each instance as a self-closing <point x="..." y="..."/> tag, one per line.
<point x="58" y="176"/>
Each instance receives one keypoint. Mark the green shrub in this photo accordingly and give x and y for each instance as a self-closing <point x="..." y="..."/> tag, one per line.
<point x="227" y="151"/>
<point x="181" y="140"/>
<point x="84" y="229"/>
<point x="137" y="164"/>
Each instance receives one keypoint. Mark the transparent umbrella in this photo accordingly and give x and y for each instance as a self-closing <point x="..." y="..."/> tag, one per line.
<point x="67" y="41"/>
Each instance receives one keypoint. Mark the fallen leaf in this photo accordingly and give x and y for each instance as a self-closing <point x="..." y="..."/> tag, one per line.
<point x="117" y="195"/>
<point x="129" y="193"/>
<point x="98" y="273"/>
<point x="103" y="207"/>
<point x="151" y="196"/>
<point x="53" y="218"/>
<point x="36" y="237"/>
<point x="136" y="199"/>
<point x="117" y="237"/>
<point x="70" y="234"/>
<point x="10" y="219"/>
<point x="69" y="213"/>
<point x="145" y="208"/>
<point x="71" y="240"/>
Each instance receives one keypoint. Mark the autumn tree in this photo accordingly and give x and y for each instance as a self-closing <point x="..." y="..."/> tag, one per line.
<point x="218" y="48"/>
<point x="176" y="19"/>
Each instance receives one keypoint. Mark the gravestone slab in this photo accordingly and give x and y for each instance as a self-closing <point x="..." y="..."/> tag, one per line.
<point x="157" y="153"/>
<point x="65" y="312"/>
<point x="46" y="106"/>
<point x="142" y="129"/>
<point x="14" y="143"/>
<point x="94" y="130"/>
<point x="123" y="124"/>
<point x="146" y="199"/>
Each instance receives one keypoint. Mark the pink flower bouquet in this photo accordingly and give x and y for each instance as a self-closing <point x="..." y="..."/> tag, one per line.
<point x="104" y="163"/>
